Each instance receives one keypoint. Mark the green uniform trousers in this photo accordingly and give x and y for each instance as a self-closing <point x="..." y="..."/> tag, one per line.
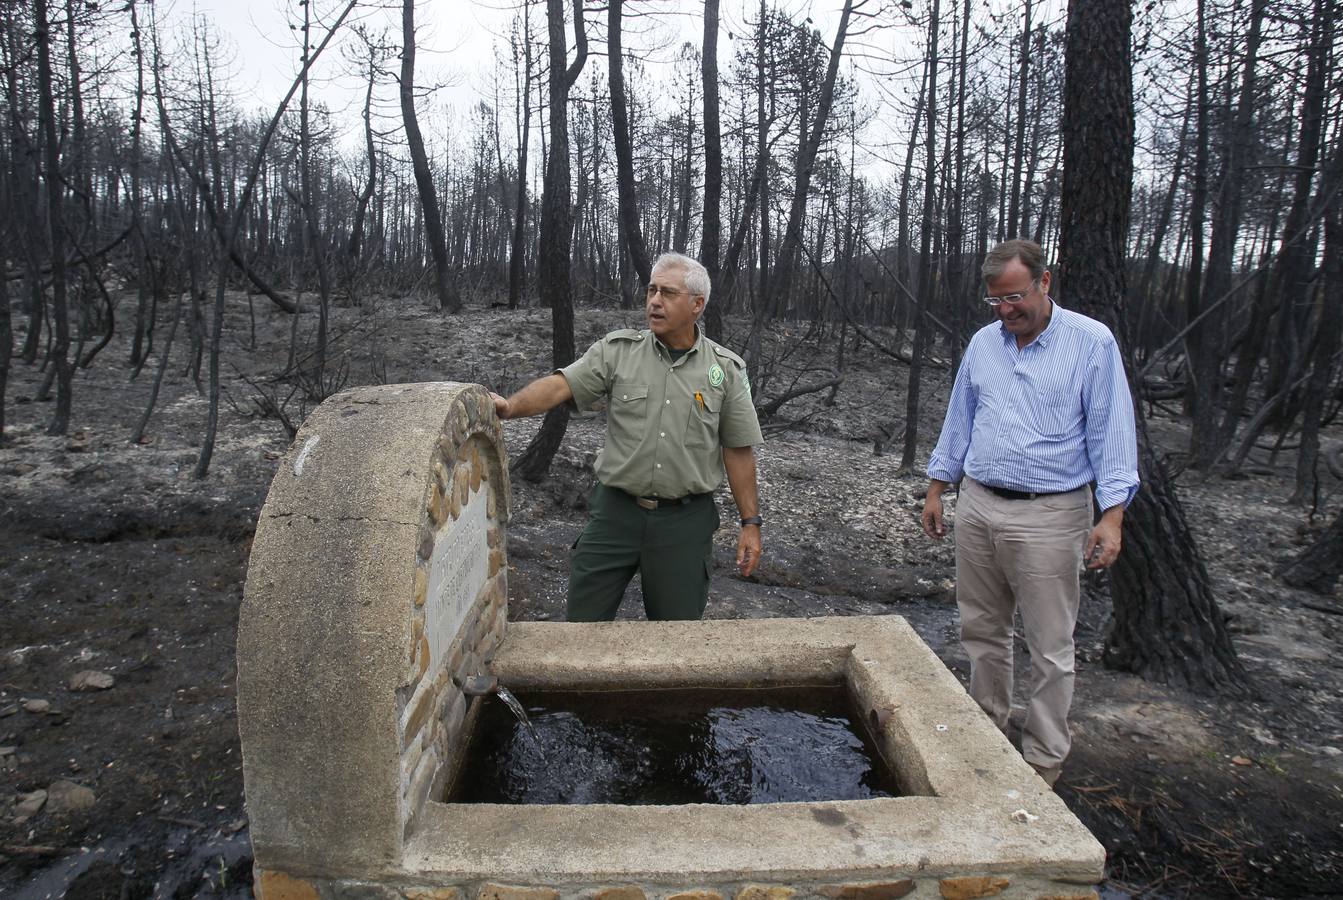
<point x="671" y="547"/>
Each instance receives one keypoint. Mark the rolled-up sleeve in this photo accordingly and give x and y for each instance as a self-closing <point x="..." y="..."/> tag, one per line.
<point x="1111" y="435"/>
<point x="589" y="376"/>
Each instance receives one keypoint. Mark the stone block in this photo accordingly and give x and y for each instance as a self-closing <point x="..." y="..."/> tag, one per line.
<point x="496" y="562"/>
<point x="449" y="893"/>
<point x="876" y="890"/>
<point x="971" y="886"/>
<point x="423" y="665"/>
<point x="695" y="895"/>
<point x="490" y="891"/>
<point x="477" y="468"/>
<point x="421" y="586"/>
<point x="421" y="705"/>
<point x="435" y="505"/>
<point x="279" y="886"/>
<point x="461" y="482"/>
<point x="765" y="892"/>
<point x="627" y="892"/>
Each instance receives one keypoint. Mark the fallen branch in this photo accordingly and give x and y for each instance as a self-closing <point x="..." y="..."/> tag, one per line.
<point x="772" y="406"/>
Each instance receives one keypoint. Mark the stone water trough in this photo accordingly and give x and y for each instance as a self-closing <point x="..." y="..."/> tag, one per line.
<point x="378" y="586"/>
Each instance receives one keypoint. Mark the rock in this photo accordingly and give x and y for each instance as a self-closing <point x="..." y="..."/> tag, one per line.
<point x="91" y="680"/>
<point x="37" y="706"/>
<point x="1241" y="761"/>
<point x="8" y="751"/>
<point x="66" y="796"/>
<point x="29" y="804"/>
<point x="7" y="711"/>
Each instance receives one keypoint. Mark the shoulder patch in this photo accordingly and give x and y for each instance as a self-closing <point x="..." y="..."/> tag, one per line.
<point x="625" y="334"/>
<point x="729" y="355"/>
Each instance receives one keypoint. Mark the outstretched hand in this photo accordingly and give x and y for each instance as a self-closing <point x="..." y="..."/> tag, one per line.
<point x="500" y="405"/>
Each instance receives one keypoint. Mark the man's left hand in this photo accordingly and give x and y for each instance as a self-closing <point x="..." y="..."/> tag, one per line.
<point x="1104" y="541"/>
<point x="748" y="550"/>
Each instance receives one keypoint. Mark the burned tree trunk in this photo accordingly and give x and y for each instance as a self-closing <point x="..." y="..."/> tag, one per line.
<point x="1319" y="565"/>
<point x="557" y="232"/>
<point x="1167" y="626"/>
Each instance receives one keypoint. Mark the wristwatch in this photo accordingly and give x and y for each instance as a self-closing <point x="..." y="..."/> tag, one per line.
<point x="752" y="520"/>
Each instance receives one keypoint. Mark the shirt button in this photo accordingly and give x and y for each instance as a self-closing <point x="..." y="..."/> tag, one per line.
<point x="662" y="434"/>
<point x="624" y="396"/>
<point x="669" y="403"/>
<point x="659" y="465"/>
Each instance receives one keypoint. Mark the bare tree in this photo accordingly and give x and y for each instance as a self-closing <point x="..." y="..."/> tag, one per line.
<point x="424" y="178"/>
<point x="1167" y="626"/>
<point x="557" y="226"/>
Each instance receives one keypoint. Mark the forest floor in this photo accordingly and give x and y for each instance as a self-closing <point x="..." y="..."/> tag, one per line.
<point x="114" y="559"/>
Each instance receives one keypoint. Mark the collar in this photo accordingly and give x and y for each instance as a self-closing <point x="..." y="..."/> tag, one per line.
<point x="666" y="351"/>
<point x="1043" y="337"/>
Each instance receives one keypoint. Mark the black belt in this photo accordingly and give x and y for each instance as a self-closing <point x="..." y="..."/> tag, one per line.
<point x="1009" y="494"/>
<point x="660" y="502"/>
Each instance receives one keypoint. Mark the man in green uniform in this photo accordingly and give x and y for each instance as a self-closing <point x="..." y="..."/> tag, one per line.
<point x="679" y="413"/>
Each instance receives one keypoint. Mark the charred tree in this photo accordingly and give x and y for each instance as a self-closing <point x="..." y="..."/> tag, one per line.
<point x="424" y="177"/>
<point x="1166" y="626"/>
<point x="1318" y="566"/>
<point x="557" y="232"/>
<point x="620" y="124"/>
<point x="712" y="228"/>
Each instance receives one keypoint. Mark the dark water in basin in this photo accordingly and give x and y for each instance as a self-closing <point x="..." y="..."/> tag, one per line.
<point x="673" y="747"/>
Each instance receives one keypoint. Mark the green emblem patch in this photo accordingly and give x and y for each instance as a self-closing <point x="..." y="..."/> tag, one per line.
<point x="715" y="374"/>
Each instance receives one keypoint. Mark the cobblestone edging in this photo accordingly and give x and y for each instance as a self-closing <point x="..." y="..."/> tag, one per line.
<point x="279" y="886"/>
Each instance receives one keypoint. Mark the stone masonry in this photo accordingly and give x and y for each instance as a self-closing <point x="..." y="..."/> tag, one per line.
<point x="377" y="587"/>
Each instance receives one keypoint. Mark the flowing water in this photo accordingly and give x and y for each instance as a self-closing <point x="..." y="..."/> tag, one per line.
<point x="673" y="747"/>
<point x="519" y="713"/>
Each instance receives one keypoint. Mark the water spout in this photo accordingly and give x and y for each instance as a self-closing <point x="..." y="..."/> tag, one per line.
<point x="479" y="685"/>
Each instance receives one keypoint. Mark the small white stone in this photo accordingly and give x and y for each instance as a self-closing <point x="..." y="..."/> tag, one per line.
<point x="1023" y="817"/>
<point x="941" y="727"/>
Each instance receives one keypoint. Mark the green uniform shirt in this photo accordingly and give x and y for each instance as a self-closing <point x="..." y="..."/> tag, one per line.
<point x="667" y="420"/>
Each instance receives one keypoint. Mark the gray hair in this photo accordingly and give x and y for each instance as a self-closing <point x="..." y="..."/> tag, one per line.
<point x="1028" y="252"/>
<point x="696" y="276"/>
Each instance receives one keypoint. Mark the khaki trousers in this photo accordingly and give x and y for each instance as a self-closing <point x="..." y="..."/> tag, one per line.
<point x="1026" y="554"/>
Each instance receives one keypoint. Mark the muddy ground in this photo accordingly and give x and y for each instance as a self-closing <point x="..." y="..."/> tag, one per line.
<point x="114" y="560"/>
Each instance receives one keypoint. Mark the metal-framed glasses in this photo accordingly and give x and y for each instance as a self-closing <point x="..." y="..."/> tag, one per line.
<point x="1011" y="298"/>
<point x="668" y="293"/>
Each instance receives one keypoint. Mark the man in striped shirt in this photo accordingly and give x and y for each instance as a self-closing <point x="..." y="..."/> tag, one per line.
<point x="1039" y="414"/>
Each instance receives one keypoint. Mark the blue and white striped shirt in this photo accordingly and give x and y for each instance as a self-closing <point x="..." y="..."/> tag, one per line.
<point x="1051" y="416"/>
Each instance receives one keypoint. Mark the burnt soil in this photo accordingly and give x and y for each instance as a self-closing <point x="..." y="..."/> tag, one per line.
<point x="114" y="558"/>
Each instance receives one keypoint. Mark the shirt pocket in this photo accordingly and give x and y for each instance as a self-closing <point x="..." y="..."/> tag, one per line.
<point x="1058" y="413"/>
<point x="701" y="431"/>
<point x="627" y="416"/>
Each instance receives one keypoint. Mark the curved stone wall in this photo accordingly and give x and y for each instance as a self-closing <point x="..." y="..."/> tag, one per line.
<point x="377" y="584"/>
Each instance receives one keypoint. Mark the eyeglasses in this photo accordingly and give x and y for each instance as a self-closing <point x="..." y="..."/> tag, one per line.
<point x="1010" y="298"/>
<point x="667" y="293"/>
